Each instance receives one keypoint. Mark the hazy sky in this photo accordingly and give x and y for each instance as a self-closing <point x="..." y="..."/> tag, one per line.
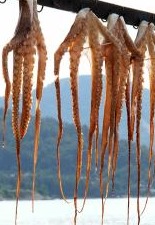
<point x="55" y="25"/>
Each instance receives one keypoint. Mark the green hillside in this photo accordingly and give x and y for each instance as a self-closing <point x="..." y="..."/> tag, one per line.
<point x="46" y="177"/>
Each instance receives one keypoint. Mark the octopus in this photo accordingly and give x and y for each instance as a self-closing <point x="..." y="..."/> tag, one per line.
<point x="28" y="39"/>
<point x="136" y="98"/>
<point x="117" y="65"/>
<point x="144" y="41"/>
<point x="73" y="43"/>
<point x="86" y="27"/>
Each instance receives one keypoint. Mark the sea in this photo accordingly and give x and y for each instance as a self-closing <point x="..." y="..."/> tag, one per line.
<point x="58" y="212"/>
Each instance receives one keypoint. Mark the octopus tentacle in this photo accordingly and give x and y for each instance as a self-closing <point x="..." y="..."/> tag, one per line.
<point x="6" y="50"/>
<point x="117" y="104"/>
<point x="136" y="103"/>
<point x="116" y="62"/>
<point x="151" y="44"/>
<point x="132" y="47"/>
<point x="138" y="111"/>
<point x="57" y="59"/>
<point x="16" y="88"/>
<point x="42" y="57"/>
<point x="75" y="53"/>
<point x="107" y="51"/>
<point x="138" y="65"/>
<point x="115" y="83"/>
<point x="108" y="35"/>
<point x="107" y="109"/>
<point x="74" y="42"/>
<point x="124" y="68"/>
<point x="28" y="66"/>
<point x="127" y="99"/>
<point x="140" y="40"/>
<point x="38" y="112"/>
<point x="59" y="136"/>
<point x="60" y="122"/>
<point x="106" y="117"/>
<point x="97" y="61"/>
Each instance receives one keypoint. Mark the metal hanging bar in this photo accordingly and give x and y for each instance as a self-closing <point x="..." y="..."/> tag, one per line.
<point x="101" y="9"/>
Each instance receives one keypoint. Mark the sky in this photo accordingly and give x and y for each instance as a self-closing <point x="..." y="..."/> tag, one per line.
<point x="55" y="26"/>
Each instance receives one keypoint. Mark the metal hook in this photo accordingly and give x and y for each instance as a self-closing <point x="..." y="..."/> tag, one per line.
<point x="135" y="27"/>
<point x="104" y="20"/>
<point x="3" y="2"/>
<point x="40" y="9"/>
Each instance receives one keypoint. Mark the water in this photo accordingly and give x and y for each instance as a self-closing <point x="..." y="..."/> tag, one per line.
<point x="57" y="212"/>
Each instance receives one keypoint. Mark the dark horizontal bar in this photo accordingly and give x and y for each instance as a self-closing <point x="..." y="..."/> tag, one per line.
<point x="101" y="9"/>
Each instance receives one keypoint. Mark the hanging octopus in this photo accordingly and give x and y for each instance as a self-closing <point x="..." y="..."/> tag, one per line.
<point x="96" y="73"/>
<point x="27" y="40"/>
<point x="117" y="63"/>
<point x="115" y="84"/>
<point x="151" y="50"/>
<point x="136" y="98"/>
<point x="74" y="44"/>
<point x="145" y="42"/>
<point x="86" y="27"/>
